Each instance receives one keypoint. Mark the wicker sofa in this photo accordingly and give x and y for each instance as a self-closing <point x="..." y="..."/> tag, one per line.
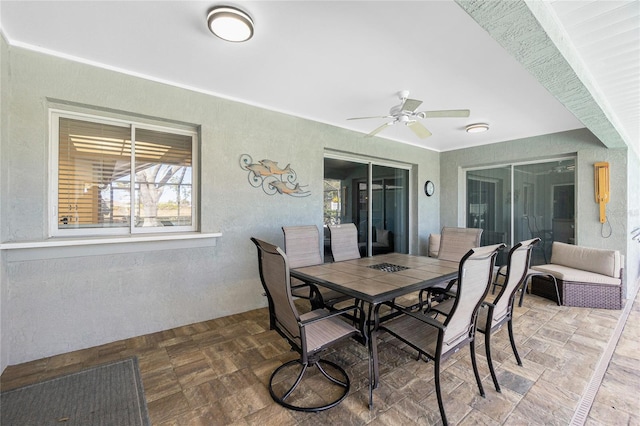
<point x="587" y="277"/>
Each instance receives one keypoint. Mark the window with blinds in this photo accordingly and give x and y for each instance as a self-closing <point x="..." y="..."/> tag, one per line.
<point x="116" y="177"/>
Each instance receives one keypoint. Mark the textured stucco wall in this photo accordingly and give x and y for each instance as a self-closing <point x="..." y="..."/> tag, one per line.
<point x="63" y="299"/>
<point x="588" y="150"/>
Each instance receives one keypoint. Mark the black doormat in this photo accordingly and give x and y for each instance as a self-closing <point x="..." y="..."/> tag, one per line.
<point x="105" y="395"/>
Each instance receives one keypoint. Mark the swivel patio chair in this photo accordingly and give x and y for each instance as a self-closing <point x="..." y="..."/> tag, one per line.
<point x="309" y="334"/>
<point x="302" y="246"/>
<point x="437" y="340"/>
<point x="344" y="242"/>
<point x="493" y="315"/>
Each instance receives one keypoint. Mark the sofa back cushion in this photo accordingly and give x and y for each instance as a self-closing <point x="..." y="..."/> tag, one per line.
<point x="600" y="261"/>
<point x="434" y="245"/>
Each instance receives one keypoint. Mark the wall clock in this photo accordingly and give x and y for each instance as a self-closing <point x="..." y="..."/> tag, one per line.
<point x="429" y="188"/>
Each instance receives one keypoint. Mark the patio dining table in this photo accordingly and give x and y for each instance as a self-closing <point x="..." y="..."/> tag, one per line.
<point x="376" y="280"/>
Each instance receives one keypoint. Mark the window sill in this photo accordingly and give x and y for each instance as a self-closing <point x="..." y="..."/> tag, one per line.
<point x="68" y="242"/>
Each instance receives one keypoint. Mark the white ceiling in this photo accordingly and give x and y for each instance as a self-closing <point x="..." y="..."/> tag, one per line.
<point x="606" y="37"/>
<point x="331" y="60"/>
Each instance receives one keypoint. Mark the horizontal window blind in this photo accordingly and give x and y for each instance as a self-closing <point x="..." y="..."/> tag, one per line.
<point x="95" y="175"/>
<point x="91" y="157"/>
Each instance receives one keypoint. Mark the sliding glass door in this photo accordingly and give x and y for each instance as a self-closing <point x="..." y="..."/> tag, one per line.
<point x="521" y="201"/>
<point x="374" y="197"/>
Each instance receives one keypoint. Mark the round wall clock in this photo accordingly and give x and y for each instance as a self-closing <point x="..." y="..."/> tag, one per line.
<point x="429" y="188"/>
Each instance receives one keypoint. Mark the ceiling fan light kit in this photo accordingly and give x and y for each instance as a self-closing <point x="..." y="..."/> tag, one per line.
<point x="477" y="128"/>
<point x="406" y="113"/>
<point x="230" y="24"/>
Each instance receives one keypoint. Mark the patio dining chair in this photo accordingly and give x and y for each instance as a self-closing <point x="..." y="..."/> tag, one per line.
<point x="309" y="334"/>
<point x="344" y="242"/>
<point x="501" y="275"/>
<point x="302" y="246"/>
<point x="454" y="244"/>
<point x="437" y="340"/>
<point x="493" y="315"/>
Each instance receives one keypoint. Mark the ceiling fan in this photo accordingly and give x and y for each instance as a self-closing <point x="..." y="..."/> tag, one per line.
<point x="406" y="113"/>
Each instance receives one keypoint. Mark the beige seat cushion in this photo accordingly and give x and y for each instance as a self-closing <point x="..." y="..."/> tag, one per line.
<point x="566" y="273"/>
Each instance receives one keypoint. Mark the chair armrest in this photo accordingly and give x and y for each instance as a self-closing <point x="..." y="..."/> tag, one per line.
<point x="440" y="289"/>
<point x="331" y="314"/>
<point x="304" y="284"/>
<point x="417" y="315"/>
<point x="502" y="270"/>
<point x="491" y="307"/>
<point x="427" y="320"/>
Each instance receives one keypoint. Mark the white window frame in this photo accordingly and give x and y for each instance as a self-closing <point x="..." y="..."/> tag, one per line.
<point x="55" y="231"/>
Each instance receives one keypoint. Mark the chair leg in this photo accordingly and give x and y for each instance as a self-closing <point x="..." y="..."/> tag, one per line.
<point x="296" y="383"/>
<point x="282" y="400"/>
<point x="487" y="347"/>
<point x="513" y="342"/>
<point x="475" y="368"/>
<point x="439" y="391"/>
<point x="330" y="377"/>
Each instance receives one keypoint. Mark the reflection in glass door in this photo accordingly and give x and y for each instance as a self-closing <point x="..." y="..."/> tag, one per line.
<point x="489" y="205"/>
<point x="376" y="202"/>
<point x="518" y="202"/>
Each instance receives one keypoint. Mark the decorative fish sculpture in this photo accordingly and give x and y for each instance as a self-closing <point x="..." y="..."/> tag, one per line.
<point x="282" y="188"/>
<point x="259" y="169"/>
<point x="271" y="178"/>
<point x="273" y="167"/>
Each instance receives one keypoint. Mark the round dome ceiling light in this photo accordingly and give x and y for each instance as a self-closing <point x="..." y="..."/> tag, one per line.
<point x="230" y="24"/>
<point x="477" y="128"/>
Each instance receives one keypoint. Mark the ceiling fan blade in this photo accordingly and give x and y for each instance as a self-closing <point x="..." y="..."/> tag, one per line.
<point x="411" y="105"/>
<point x="379" y="129"/>
<point x="419" y="130"/>
<point x="445" y="113"/>
<point x="366" y="118"/>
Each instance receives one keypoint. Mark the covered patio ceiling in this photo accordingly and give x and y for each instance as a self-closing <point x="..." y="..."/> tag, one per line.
<point x="524" y="68"/>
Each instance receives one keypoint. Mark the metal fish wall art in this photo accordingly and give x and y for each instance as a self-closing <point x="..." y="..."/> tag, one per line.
<point x="272" y="179"/>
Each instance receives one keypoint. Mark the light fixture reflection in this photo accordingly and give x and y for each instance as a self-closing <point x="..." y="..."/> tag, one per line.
<point x="477" y="128"/>
<point x="230" y="24"/>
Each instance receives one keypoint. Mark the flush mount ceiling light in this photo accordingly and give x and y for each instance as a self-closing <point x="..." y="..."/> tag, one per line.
<point x="230" y="24"/>
<point x="477" y="128"/>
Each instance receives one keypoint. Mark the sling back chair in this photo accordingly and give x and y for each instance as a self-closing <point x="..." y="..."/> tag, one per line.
<point x="437" y="340"/>
<point x="344" y="242"/>
<point x="493" y="315"/>
<point x="500" y="278"/>
<point x="454" y="244"/>
<point x="309" y="334"/>
<point x="302" y="246"/>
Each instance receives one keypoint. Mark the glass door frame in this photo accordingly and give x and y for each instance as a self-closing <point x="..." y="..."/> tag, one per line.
<point x="370" y="162"/>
